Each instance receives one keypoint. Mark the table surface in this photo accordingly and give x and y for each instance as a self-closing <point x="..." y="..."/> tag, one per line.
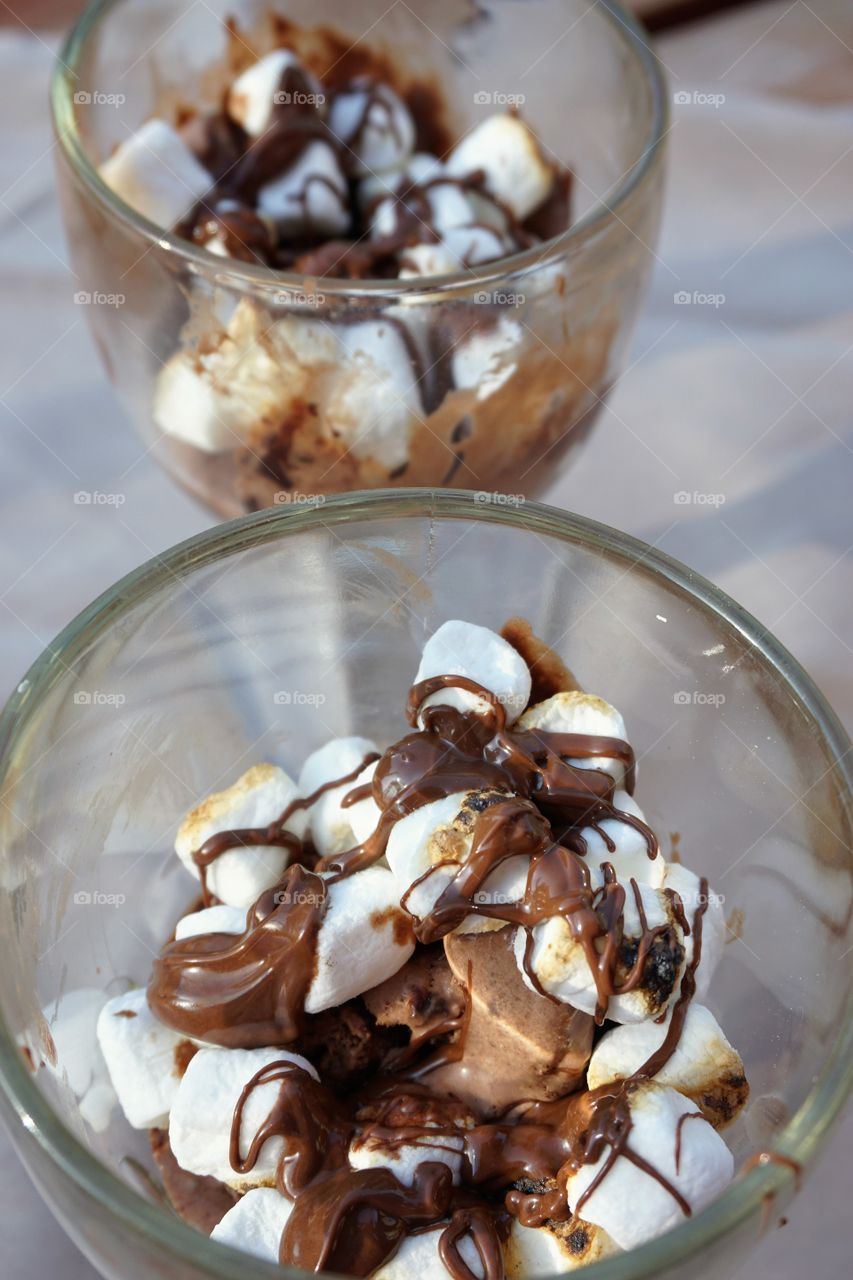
<point x="757" y="219"/>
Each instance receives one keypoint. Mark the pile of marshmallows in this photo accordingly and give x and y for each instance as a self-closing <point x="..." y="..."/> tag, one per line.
<point x="356" y="952"/>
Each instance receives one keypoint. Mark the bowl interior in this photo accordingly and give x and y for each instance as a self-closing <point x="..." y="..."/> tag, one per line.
<point x="261" y="640"/>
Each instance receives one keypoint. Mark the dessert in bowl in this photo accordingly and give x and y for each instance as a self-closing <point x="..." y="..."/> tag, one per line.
<point x="360" y="249"/>
<point x="392" y="1096"/>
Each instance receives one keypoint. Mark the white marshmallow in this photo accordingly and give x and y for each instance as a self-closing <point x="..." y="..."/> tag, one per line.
<point x="688" y="887"/>
<point x="203" y="1109"/>
<point x="310" y="196"/>
<point x="374" y="401"/>
<point x="79" y="1061"/>
<point x="364" y="938"/>
<point x="631" y="1205"/>
<point x="365" y="814"/>
<point x="553" y="1250"/>
<point x="256" y="799"/>
<point x="405" y="1158"/>
<point x="140" y="1053"/>
<point x="376" y="127"/>
<point x="559" y="962"/>
<point x="156" y="173"/>
<point x="419" y="1256"/>
<point x="472" y="245"/>
<point x="576" y="712"/>
<point x="424" y="167"/>
<point x="488" y="358"/>
<point x="256" y="1223"/>
<point x="704" y="1066"/>
<point x="427" y="260"/>
<point x="329" y="824"/>
<point x="218" y="919"/>
<point x="255" y="94"/>
<point x="516" y="172"/>
<point x="630" y="859"/>
<point x="461" y="648"/>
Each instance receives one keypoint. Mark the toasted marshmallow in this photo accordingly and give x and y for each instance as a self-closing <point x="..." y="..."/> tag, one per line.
<point x="364" y="938"/>
<point x="76" y="1058"/>
<point x="256" y="1223"/>
<point x="155" y="172"/>
<point x="141" y="1056"/>
<point x="461" y="648"/>
<point x="256" y="799"/>
<point x="631" y="1205"/>
<point x="577" y="712"/>
<point x="630" y="857"/>
<point x="329" y="824"/>
<point x="203" y="1109"/>
<point x="688" y="887"/>
<point x="488" y="358"/>
<point x="559" y="962"/>
<point x="218" y="919"/>
<point x="375" y="400"/>
<point x="311" y="196"/>
<point x="704" y="1066"/>
<point x="419" y="1256"/>
<point x="256" y="93"/>
<point x="516" y="172"/>
<point x="555" y="1248"/>
<point x="374" y="125"/>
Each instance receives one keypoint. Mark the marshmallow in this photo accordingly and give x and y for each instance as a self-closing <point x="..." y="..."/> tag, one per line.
<point x="488" y="358"/>
<point x="256" y="1223"/>
<point x="329" y="824"/>
<point x="256" y="799"/>
<point x="630" y="1204"/>
<point x="218" y="919"/>
<point x="688" y="887"/>
<point x="374" y="399"/>
<point x="364" y="938"/>
<point x="461" y="648"/>
<point x="255" y="94"/>
<point x="374" y="125"/>
<point x="427" y="260"/>
<point x="141" y="1056"/>
<point x="203" y="1109"/>
<point x="559" y="962"/>
<point x="704" y="1066"/>
<point x="419" y="1256"/>
<point x="78" y="1060"/>
<point x="364" y="814"/>
<point x="516" y="172"/>
<point x="577" y="712"/>
<point x="155" y="172"/>
<point x="310" y="196"/>
<point x="630" y="859"/>
<point x="472" y="245"/>
<point x="404" y="1158"/>
<point x="554" y="1248"/>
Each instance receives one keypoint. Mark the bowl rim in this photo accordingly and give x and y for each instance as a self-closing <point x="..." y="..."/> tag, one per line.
<point x="26" y="1108"/>
<point x="604" y="213"/>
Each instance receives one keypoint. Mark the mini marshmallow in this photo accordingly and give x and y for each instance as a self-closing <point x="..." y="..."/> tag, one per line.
<point x="405" y="1158"/>
<point x="218" y="919"/>
<point x="329" y="824"/>
<point x="203" y="1109"/>
<point x="704" y="1066"/>
<point x="473" y="245"/>
<point x="559" y="962"/>
<point x="554" y="1248"/>
<point x="256" y="799"/>
<point x="255" y="94"/>
<point x="374" y="125"/>
<point x="78" y="1059"/>
<point x="461" y="648"/>
<point x="516" y="172"/>
<point x="688" y="887"/>
<point x="156" y="173"/>
<point x="140" y="1053"/>
<point x="256" y="1223"/>
<point x="427" y="260"/>
<point x="364" y="938"/>
<point x="419" y="1256"/>
<point x="630" y="1204"/>
<point x="364" y="814"/>
<point x="488" y="358"/>
<point x="374" y="401"/>
<point x="630" y="859"/>
<point x="311" y="196"/>
<point x="577" y="712"/>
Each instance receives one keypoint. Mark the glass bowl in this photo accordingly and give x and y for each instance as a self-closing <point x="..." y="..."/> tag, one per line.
<point x="259" y="640"/>
<point x="506" y="365"/>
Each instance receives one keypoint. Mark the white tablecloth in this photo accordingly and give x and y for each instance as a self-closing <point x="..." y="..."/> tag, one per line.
<point x="743" y="392"/>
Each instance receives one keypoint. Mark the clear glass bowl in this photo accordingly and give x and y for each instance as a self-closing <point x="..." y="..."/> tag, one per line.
<point x="510" y="362"/>
<point x="259" y="640"/>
